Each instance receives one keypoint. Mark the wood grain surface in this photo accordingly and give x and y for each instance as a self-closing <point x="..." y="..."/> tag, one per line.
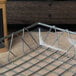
<point x="43" y="58"/>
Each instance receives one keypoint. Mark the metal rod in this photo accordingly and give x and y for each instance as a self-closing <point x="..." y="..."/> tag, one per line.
<point x="24" y="62"/>
<point x="11" y="35"/>
<point x="35" y="24"/>
<point x="7" y="48"/>
<point x="46" y="65"/>
<point x="47" y="62"/>
<point x="22" y="41"/>
<point x="73" y="45"/>
<point x="47" y="34"/>
<point x="69" y="48"/>
<point x="46" y="25"/>
<point x="2" y="74"/>
<point x="34" y="64"/>
<point x="57" y="67"/>
<point x="26" y="44"/>
<point x="58" y="38"/>
<point x="58" y="60"/>
<point x="33" y="49"/>
<point x="31" y="36"/>
<point x="14" y="63"/>
<point x="10" y="47"/>
<point x="63" y="30"/>
<point x="67" y="70"/>
<point x="21" y="56"/>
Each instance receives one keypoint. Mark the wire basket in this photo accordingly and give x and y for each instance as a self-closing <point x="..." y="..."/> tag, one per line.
<point x="39" y="50"/>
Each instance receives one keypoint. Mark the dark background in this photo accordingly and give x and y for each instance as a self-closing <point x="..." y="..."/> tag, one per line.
<point x="1" y="24"/>
<point x="71" y="27"/>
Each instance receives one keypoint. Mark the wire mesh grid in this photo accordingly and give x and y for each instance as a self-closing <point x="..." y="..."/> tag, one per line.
<point x="35" y="52"/>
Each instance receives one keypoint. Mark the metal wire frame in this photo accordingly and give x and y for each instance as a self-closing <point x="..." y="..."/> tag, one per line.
<point x="42" y="60"/>
<point x="44" y="66"/>
<point x="34" y="50"/>
<point x="11" y="43"/>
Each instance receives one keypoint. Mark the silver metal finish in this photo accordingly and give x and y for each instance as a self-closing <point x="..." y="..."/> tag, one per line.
<point x="33" y="50"/>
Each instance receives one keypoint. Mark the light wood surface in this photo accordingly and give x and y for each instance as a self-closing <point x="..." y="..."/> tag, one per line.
<point x="2" y="50"/>
<point x="17" y="50"/>
<point x="3" y="1"/>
